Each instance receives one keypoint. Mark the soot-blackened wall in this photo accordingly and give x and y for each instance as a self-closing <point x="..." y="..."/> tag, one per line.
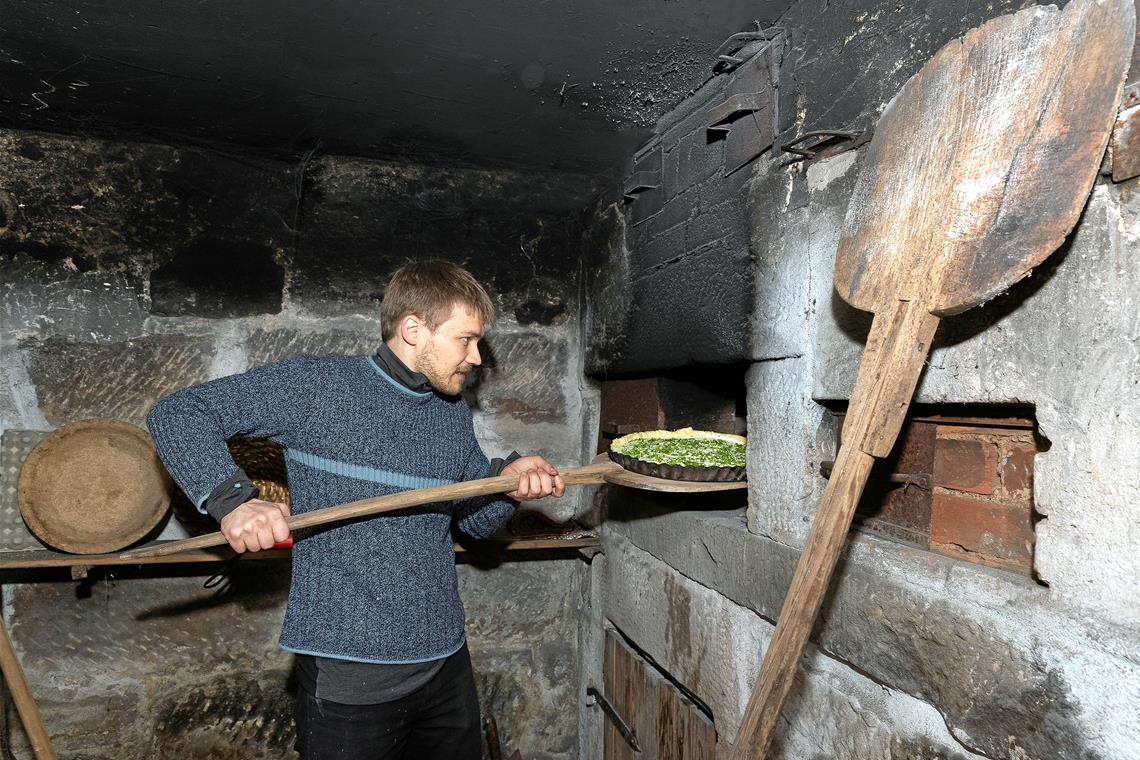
<point x="129" y="270"/>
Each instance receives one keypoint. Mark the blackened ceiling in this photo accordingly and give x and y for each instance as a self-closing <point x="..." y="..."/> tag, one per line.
<point x="567" y="85"/>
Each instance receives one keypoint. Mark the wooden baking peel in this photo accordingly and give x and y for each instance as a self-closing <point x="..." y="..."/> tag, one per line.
<point x="601" y="470"/>
<point x="978" y="169"/>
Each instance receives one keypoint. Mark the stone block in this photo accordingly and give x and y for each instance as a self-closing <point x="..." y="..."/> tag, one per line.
<point x="126" y="206"/>
<point x="709" y="647"/>
<point x="531" y="693"/>
<point x="75" y="380"/>
<point x="992" y="533"/>
<point x="608" y="280"/>
<point x="216" y="277"/>
<point x="131" y="667"/>
<point x="965" y="464"/>
<point x="794" y="242"/>
<point x="90" y="726"/>
<point x="265" y="345"/>
<point x="244" y="714"/>
<point x="981" y="647"/>
<point x="680" y="209"/>
<point x="694" y="310"/>
<point x="126" y="630"/>
<point x="651" y="251"/>
<point x="788" y="435"/>
<point x="692" y="159"/>
<point x="519" y="602"/>
<point x="720" y="218"/>
<point x="524" y="648"/>
<point x="498" y="223"/>
<point x="713" y="647"/>
<point x="45" y="298"/>
<point x="522" y="376"/>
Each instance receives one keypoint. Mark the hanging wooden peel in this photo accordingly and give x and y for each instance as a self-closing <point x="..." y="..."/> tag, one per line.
<point x="978" y="169"/>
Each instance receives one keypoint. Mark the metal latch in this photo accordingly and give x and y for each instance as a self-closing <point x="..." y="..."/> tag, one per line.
<point x="920" y="479"/>
<point x="611" y="713"/>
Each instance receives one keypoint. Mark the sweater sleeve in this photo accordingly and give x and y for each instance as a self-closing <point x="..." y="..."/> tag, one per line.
<point x="190" y="427"/>
<point x="483" y="515"/>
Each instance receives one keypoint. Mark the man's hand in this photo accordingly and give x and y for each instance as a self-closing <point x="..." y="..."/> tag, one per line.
<point x="537" y="478"/>
<point x="256" y="525"/>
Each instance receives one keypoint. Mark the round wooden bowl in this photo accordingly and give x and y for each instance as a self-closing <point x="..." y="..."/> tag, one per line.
<point x="93" y="487"/>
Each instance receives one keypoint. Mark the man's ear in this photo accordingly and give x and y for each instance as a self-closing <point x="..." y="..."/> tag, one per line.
<point x="411" y="329"/>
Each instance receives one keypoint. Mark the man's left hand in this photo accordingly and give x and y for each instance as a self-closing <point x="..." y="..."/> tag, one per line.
<point x="537" y="478"/>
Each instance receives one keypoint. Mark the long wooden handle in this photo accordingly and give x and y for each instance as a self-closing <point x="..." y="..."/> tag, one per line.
<point x="892" y="363"/>
<point x="22" y="696"/>
<point x="592" y="473"/>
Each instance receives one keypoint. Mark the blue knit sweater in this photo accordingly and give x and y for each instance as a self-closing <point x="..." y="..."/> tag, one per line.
<point x="381" y="589"/>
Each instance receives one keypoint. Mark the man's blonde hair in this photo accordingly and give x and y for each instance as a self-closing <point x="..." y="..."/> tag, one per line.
<point x="429" y="290"/>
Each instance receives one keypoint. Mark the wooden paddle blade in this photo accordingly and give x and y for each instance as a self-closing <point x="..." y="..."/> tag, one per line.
<point x="981" y="164"/>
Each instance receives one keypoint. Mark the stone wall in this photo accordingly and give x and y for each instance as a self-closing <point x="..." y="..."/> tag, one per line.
<point x="916" y="655"/>
<point x="128" y="270"/>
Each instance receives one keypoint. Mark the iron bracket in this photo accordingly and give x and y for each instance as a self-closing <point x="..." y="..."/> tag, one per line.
<point x="722" y="115"/>
<point x="611" y="713"/>
<point x="746" y="118"/>
<point x="728" y="54"/>
<point x="639" y="182"/>
<point x="823" y="143"/>
<point x="643" y="191"/>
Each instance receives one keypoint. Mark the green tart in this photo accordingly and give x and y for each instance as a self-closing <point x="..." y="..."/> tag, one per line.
<point x="684" y="454"/>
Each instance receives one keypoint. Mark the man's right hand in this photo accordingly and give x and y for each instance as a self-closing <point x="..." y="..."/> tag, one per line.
<point x="256" y="525"/>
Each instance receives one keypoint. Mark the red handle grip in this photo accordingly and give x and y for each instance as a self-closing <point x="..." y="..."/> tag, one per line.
<point x="286" y="544"/>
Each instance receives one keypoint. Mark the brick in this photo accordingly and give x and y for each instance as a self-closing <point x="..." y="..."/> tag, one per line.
<point x="990" y="533"/>
<point x="1017" y="471"/>
<point x="631" y="405"/>
<point x="692" y="160"/>
<point x="967" y="465"/>
<point x="680" y="209"/>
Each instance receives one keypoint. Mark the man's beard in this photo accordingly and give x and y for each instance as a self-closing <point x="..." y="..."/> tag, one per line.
<point x="441" y="378"/>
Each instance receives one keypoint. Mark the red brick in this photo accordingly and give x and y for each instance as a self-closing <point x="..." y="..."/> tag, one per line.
<point x="991" y="533"/>
<point x="1017" y="471"/>
<point x="629" y="405"/>
<point x="963" y="464"/>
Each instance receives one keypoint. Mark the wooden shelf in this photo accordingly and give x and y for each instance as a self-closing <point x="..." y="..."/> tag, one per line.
<point x="47" y="558"/>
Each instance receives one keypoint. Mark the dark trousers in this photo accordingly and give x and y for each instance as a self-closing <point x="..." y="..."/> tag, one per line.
<point x="439" y="721"/>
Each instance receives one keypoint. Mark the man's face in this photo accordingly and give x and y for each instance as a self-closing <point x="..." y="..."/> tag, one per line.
<point x="450" y="351"/>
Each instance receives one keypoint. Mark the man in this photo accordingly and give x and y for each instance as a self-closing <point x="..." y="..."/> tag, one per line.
<point x="373" y="615"/>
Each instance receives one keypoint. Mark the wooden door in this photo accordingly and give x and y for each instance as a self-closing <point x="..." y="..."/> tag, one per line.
<point x="667" y="725"/>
